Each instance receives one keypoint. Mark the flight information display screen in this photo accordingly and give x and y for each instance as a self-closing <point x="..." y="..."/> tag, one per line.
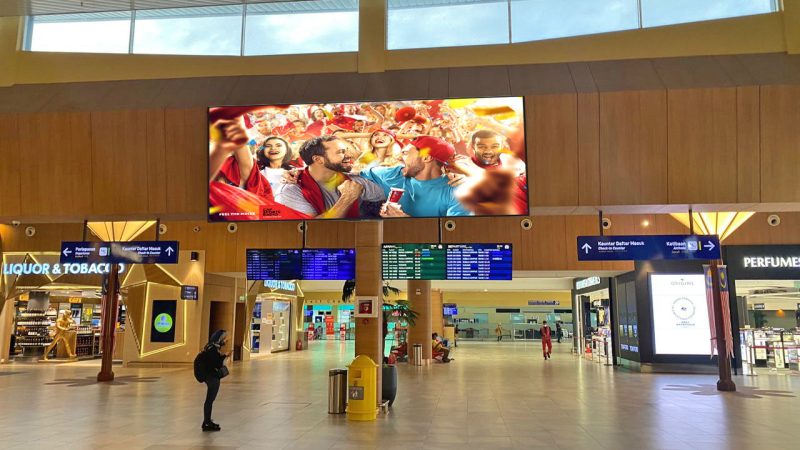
<point x="329" y="264"/>
<point x="414" y="261"/>
<point x="274" y="264"/>
<point x="479" y="262"/>
<point x="446" y="261"/>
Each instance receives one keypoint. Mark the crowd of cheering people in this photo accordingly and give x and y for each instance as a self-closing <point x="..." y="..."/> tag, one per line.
<point x="431" y="158"/>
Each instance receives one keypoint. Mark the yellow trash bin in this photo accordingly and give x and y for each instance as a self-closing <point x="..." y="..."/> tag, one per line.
<point x="362" y="387"/>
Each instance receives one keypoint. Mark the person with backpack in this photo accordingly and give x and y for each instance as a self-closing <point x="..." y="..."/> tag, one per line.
<point x="209" y="368"/>
<point x="547" y="343"/>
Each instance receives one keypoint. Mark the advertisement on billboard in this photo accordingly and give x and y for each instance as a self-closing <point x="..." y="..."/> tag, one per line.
<point x="680" y="314"/>
<point x="409" y="158"/>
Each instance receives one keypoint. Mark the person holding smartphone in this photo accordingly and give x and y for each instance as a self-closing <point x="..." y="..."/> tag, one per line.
<point x="210" y="364"/>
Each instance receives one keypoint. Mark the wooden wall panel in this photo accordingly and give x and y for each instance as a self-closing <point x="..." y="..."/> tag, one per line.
<point x="10" y="166"/>
<point x="221" y="249"/>
<point x="552" y="138"/>
<point x="575" y="226"/>
<point x="156" y="161"/>
<point x="48" y="237"/>
<point x="544" y="247"/>
<point x="56" y="154"/>
<point x="780" y="143"/>
<point x="757" y="231"/>
<point x="748" y="144"/>
<point x="588" y="149"/>
<point x="633" y="148"/>
<point x="119" y="157"/>
<point x="411" y="230"/>
<point x="186" y="139"/>
<point x="702" y="145"/>
<point x="331" y="234"/>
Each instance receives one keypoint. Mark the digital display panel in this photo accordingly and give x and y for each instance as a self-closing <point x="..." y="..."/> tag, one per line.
<point x="450" y="309"/>
<point x="479" y="262"/>
<point x="329" y="264"/>
<point x="189" y="292"/>
<point x="305" y="264"/>
<point x="446" y="261"/>
<point x="163" y="321"/>
<point x="371" y="160"/>
<point x="414" y="261"/>
<point x="680" y="314"/>
<point x="272" y="264"/>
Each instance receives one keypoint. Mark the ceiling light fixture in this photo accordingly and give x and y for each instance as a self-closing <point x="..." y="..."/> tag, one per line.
<point x="722" y="224"/>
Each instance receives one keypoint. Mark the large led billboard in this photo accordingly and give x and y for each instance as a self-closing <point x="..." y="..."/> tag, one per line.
<point x="680" y="314"/>
<point x="410" y="158"/>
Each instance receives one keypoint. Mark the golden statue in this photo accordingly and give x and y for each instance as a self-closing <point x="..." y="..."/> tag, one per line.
<point x="62" y="326"/>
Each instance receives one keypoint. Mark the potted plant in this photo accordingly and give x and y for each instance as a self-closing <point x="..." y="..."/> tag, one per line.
<point x="399" y="312"/>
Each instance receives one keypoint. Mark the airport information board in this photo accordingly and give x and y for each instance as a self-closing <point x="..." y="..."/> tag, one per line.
<point x="479" y="261"/>
<point x="414" y="261"/>
<point x="446" y="261"/>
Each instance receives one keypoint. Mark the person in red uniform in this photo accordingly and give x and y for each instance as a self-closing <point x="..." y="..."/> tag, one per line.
<point x="547" y="342"/>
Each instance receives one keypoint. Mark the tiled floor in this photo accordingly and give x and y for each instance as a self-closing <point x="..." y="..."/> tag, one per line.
<point x="494" y="395"/>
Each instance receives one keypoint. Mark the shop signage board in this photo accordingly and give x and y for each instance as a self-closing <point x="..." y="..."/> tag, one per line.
<point x="763" y="262"/>
<point x="59" y="269"/>
<point x="759" y="306"/>
<point x="639" y="248"/>
<point x="134" y="252"/>
<point x="587" y="282"/>
<point x="544" y="302"/>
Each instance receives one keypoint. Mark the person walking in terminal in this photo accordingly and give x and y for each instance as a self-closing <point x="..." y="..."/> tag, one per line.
<point x="558" y="331"/>
<point x="209" y="368"/>
<point x="498" y="331"/>
<point x="547" y="343"/>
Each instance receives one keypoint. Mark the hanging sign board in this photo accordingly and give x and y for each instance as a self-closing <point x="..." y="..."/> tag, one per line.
<point x="639" y="248"/>
<point x="134" y="252"/>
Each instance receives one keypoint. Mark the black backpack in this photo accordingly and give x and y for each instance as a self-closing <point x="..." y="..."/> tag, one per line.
<point x="199" y="367"/>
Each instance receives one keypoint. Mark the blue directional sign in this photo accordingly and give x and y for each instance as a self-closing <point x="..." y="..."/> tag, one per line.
<point x="638" y="248"/>
<point x="135" y="252"/>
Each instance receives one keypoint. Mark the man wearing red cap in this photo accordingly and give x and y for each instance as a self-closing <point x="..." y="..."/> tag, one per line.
<point x="325" y="189"/>
<point x="426" y="192"/>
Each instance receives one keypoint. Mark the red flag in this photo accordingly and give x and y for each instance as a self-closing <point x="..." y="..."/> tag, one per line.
<point x="710" y="303"/>
<point x="724" y="298"/>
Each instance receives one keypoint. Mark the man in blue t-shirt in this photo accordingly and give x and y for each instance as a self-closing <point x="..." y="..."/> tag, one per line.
<point x="427" y="192"/>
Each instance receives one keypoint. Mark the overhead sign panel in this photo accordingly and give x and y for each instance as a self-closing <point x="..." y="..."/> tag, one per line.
<point x="638" y="248"/>
<point x="135" y="252"/>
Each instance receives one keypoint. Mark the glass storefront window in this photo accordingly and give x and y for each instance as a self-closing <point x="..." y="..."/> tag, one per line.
<point x="80" y="33"/>
<point x="213" y="30"/>
<point x="285" y="28"/>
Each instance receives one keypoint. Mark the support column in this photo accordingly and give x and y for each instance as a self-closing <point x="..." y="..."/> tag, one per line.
<point x="109" y="325"/>
<point x="419" y="298"/>
<point x="437" y="311"/>
<point x="369" y="332"/>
